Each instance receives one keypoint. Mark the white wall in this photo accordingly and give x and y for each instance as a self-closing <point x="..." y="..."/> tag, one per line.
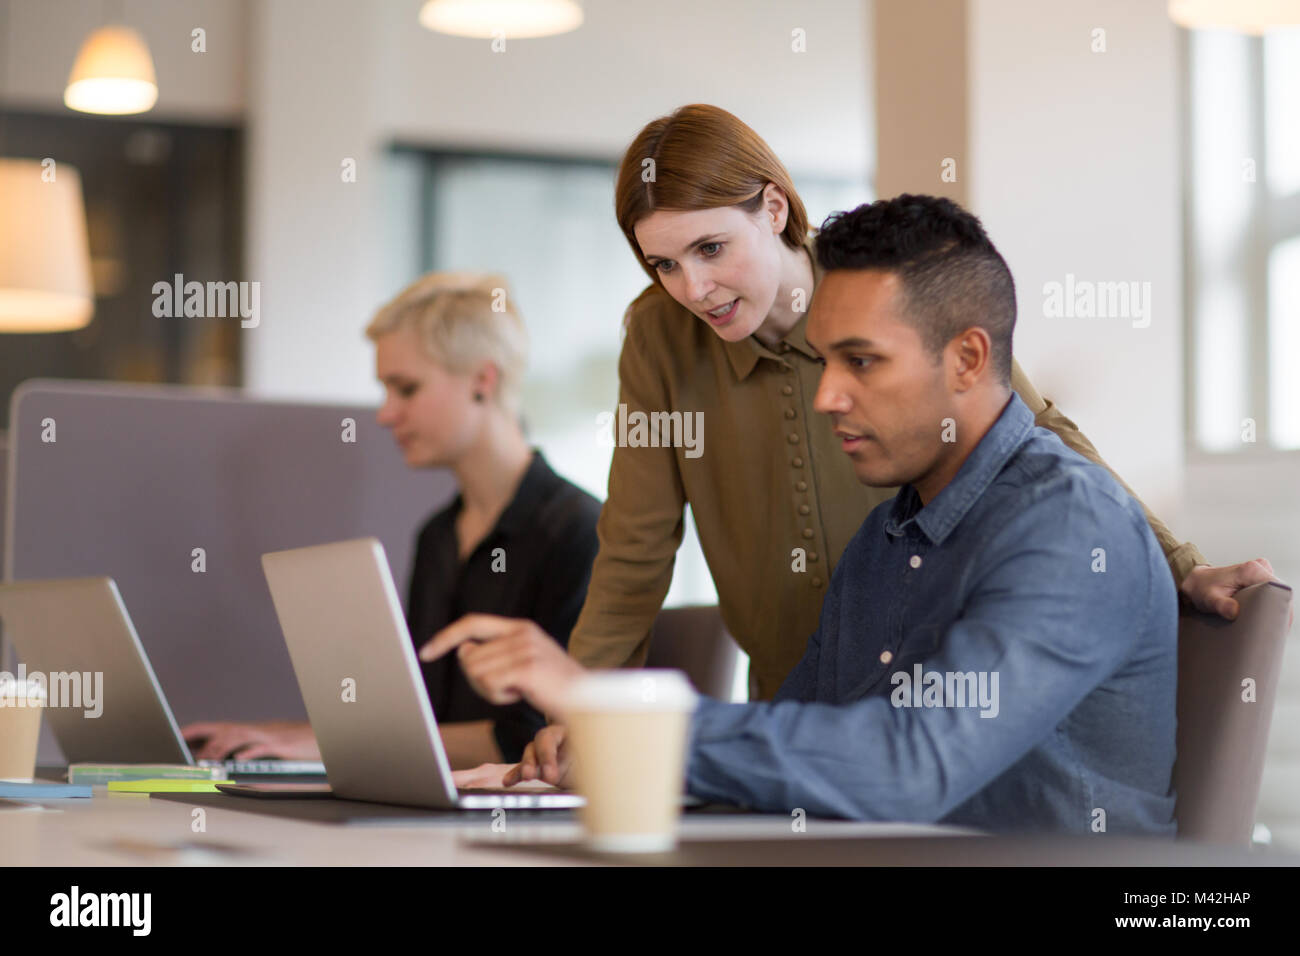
<point x="315" y="242"/>
<point x="1075" y="162"/>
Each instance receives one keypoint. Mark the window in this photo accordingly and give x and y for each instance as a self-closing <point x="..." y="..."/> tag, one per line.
<point x="1243" y="247"/>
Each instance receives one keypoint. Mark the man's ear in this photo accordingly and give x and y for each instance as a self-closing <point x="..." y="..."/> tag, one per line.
<point x="970" y="355"/>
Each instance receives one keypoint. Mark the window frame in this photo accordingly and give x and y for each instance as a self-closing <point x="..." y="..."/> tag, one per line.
<point x="1272" y="220"/>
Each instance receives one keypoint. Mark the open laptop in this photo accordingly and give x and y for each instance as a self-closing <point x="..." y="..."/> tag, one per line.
<point x="110" y="707"/>
<point x="365" y="695"/>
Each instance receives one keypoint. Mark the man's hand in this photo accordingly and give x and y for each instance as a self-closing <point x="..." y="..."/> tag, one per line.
<point x="288" y="740"/>
<point x="505" y="659"/>
<point x="1211" y="589"/>
<point x="546" y="758"/>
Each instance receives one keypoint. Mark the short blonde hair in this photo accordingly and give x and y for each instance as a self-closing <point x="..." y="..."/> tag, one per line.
<point x="462" y="318"/>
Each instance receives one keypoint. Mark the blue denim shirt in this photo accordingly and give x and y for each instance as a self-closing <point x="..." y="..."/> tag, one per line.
<point x="1034" y="572"/>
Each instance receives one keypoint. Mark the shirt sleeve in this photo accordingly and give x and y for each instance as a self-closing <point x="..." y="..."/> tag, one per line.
<point x="640" y="527"/>
<point x="1181" y="556"/>
<point x="1050" y="638"/>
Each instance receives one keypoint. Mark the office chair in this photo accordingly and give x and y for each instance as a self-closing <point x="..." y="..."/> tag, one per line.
<point x="694" y="640"/>
<point x="1222" y="736"/>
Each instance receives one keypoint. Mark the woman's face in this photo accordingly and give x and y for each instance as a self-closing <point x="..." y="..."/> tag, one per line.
<point x="723" y="264"/>
<point x="431" y="411"/>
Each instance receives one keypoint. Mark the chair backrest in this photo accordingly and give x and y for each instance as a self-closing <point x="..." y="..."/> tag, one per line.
<point x="1228" y="674"/>
<point x="694" y="640"/>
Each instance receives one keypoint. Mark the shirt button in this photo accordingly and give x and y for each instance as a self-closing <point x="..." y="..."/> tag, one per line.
<point x="812" y="555"/>
<point x="797" y="462"/>
<point x="787" y="390"/>
<point x="816" y="582"/>
<point x="804" y="509"/>
<point x="794" y="439"/>
<point x="789" y="413"/>
<point x="801" y="486"/>
<point x="807" y="532"/>
<point x="886" y="657"/>
<point x="915" y="561"/>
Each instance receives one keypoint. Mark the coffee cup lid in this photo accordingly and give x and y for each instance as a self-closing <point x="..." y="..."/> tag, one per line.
<point x="625" y="689"/>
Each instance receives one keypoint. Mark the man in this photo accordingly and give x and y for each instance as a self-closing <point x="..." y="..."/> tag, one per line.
<point x="998" y="644"/>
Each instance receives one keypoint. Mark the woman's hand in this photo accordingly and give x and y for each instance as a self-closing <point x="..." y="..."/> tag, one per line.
<point x="288" y="740"/>
<point x="488" y="776"/>
<point x="1210" y="589"/>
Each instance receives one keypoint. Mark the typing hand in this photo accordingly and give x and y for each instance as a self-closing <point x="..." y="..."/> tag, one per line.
<point x="222" y="740"/>
<point x="546" y="758"/>
<point x="488" y="776"/>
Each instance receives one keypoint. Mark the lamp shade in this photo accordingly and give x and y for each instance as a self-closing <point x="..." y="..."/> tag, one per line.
<point x="44" y="253"/>
<point x="512" y="18"/>
<point x="1244" y="16"/>
<point x="113" y="74"/>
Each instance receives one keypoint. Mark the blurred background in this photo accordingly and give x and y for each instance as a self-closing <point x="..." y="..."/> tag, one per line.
<point x="332" y="150"/>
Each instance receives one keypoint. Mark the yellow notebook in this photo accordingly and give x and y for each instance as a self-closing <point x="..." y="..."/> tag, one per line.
<point x="165" y="786"/>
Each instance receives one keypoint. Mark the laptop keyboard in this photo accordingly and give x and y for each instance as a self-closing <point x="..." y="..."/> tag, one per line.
<point x="267" y="767"/>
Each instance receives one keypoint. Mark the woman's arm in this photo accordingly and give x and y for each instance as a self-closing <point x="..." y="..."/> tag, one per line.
<point x="469" y="744"/>
<point x="640" y="526"/>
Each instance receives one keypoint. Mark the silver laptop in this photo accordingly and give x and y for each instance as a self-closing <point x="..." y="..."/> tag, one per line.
<point x="361" y="682"/>
<point x="110" y="708"/>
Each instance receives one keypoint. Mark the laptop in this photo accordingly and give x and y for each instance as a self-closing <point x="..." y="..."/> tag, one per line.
<point x="111" y="708"/>
<point x="365" y="695"/>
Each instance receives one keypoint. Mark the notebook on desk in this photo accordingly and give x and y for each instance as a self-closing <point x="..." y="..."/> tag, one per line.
<point x="106" y="705"/>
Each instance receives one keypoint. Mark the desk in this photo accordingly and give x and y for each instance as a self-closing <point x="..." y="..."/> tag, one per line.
<point x="122" y="829"/>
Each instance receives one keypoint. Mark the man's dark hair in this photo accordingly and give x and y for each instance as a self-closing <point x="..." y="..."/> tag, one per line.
<point x="951" y="276"/>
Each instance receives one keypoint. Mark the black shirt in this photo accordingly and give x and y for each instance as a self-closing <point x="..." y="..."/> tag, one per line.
<point x="535" y="563"/>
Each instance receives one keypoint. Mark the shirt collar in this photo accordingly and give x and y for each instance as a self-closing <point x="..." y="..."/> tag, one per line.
<point x="745" y="354"/>
<point x="982" y="465"/>
<point x="533" y="488"/>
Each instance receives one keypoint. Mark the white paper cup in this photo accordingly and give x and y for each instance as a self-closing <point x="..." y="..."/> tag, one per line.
<point x="21" y="705"/>
<point x="627" y="731"/>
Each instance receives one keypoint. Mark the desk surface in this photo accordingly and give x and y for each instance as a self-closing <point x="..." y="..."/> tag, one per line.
<point x="122" y="829"/>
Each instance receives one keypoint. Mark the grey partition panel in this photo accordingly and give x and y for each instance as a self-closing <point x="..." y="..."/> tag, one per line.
<point x="138" y="477"/>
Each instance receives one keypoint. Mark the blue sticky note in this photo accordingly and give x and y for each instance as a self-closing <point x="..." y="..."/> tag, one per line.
<point x="41" y="791"/>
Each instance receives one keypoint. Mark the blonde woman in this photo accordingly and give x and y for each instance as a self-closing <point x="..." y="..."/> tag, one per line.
<point x="713" y="218"/>
<point x="451" y="352"/>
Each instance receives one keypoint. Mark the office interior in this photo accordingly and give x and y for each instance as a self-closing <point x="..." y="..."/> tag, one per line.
<point x="331" y="151"/>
